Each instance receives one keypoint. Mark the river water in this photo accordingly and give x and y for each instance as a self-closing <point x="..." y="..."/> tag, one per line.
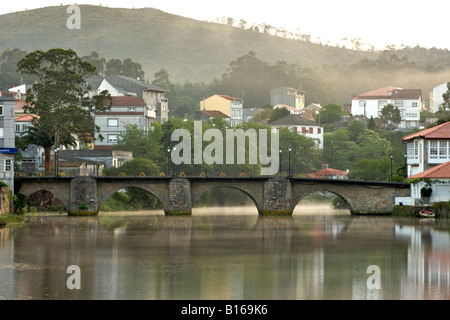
<point x="225" y="254"/>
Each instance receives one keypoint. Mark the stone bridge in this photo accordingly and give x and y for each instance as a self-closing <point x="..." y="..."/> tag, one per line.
<point x="271" y="195"/>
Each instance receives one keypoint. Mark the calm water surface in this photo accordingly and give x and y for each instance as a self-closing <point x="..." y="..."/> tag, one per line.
<point x="217" y="254"/>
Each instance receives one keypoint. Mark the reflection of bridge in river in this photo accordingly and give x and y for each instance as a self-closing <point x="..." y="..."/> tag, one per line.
<point x="271" y="195"/>
<point x="240" y="257"/>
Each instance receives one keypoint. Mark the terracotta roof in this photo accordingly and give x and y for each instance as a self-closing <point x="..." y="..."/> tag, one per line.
<point x="441" y="131"/>
<point x="119" y="113"/>
<point x="407" y="94"/>
<point x="294" y="119"/>
<point x="19" y="104"/>
<point x="287" y="107"/>
<point x="327" y="172"/>
<point x="25" y="118"/>
<point x="440" y="171"/>
<point x="229" y="97"/>
<point x="378" y="93"/>
<point x="214" y="113"/>
<point x="127" y="101"/>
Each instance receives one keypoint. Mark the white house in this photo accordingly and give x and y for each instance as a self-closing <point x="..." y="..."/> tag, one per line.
<point x="124" y="110"/>
<point x="297" y="123"/>
<point x="438" y="179"/>
<point x="427" y="148"/>
<point x="408" y="101"/>
<point x="100" y="84"/>
<point x="7" y="141"/>
<point x="436" y="96"/>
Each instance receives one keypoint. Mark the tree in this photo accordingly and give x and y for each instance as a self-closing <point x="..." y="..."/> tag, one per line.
<point x="331" y="113"/>
<point x="59" y="98"/>
<point x="446" y="97"/>
<point x="279" y="113"/>
<point x="390" y="114"/>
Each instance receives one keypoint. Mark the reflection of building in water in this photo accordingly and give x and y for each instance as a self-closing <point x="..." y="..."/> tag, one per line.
<point x="428" y="264"/>
<point x="6" y="264"/>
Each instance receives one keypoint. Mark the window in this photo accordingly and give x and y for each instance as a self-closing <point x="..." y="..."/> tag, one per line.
<point x="433" y="149"/>
<point x="1" y="132"/>
<point x="17" y="127"/>
<point x="398" y="103"/>
<point x="8" y="165"/>
<point x="311" y="130"/>
<point x="318" y="130"/>
<point x="113" y="122"/>
<point x="1" y="110"/>
<point x="415" y="104"/>
<point x="442" y="149"/>
<point x="303" y="130"/>
<point x="131" y="109"/>
<point x="112" y="138"/>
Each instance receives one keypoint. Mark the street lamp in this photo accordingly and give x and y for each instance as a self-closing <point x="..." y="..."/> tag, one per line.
<point x="406" y="165"/>
<point x="290" y="149"/>
<point x="56" y="160"/>
<point x="174" y="165"/>
<point x="280" y="163"/>
<point x="168" y="156"/>
<point x="392" y="156"/>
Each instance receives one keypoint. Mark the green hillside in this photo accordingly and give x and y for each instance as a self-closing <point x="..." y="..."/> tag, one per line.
<point x="187" y="48"/>
<point x="201" y="51"/>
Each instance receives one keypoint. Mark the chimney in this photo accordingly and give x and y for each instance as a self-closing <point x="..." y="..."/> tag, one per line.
<point x="324" y="166"/>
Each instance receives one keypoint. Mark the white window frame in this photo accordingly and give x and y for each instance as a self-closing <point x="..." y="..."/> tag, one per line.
<point x="110" y="122"/>
<point x="112" y="138"/>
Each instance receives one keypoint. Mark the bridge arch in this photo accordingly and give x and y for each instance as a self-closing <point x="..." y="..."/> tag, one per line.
<point x="300" y="192"/>
<point x="199" y="189"/>
<point x="297" y="200"/>
<point x="106" y="192"/>
<point x="57" y="192"/>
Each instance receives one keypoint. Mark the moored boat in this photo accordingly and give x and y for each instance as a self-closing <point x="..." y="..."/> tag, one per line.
<point x="426" y="214"/>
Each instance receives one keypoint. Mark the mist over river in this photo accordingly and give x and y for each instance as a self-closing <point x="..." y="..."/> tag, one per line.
<point x="225" y="253"/>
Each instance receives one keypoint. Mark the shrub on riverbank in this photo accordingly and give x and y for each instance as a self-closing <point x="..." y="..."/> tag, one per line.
<point x="442" y="209"/>
<point x="404" y="211"/>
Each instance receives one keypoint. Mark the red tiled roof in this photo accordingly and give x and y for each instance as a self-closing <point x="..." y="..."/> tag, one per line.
<point x="407" y="94"/>
<point x="19" y="104"/>
<point x="26" y="118"/>
<point x="287" y="107"/>
<point x="228" y="97"/>
<point x="327" y="172"/>
<point x="441" y="171"/>
<point x="127" y="101"/>
<point x="119" y="113"/>
<point x="441" y="131"/>
<point x="381" y="92"/>
<point x="214" y="113"/>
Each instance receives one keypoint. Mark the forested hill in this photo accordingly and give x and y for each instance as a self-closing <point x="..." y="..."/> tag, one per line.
<point x="187" y="48"/>
<point x="201" y="51"/>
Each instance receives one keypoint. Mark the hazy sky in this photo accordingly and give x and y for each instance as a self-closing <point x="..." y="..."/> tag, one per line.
<point x="378" y="22"/>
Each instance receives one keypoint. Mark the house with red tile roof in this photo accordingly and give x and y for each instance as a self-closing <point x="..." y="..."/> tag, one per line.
<point x="408" y="101"/>
<point x="288" y="108"/>
<point x="427" y="148"/>
<point x="230" y="106"/>
<point x="438" y="178"/>
<point x="301" y="125"/>
<point x="328" y="173"/>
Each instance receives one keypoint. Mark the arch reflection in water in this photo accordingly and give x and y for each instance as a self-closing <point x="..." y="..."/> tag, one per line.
<point x="225" y="256"/>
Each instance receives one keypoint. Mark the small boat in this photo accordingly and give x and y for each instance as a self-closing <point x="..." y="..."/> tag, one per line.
<point x="426" y="214"/>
